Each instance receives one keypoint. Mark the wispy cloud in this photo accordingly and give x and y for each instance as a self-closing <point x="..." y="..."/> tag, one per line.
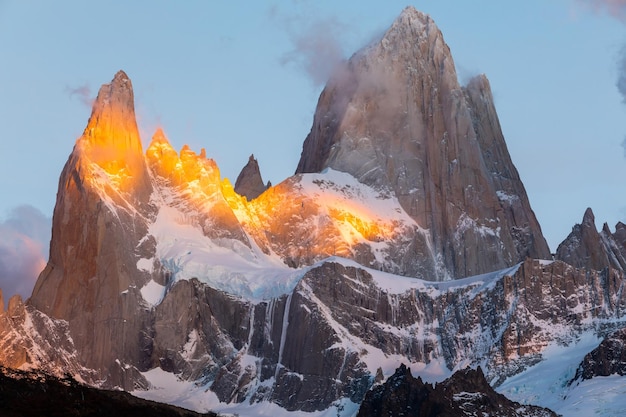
<point x="318" y="43"/>
<point x="82" y="92"/>
<point x="616" y="8"/>
<point x="24" y="242"/>
<point x="621" y="73"/>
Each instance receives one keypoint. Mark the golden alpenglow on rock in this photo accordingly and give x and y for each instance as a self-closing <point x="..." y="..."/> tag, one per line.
<point x="404" y="237"/>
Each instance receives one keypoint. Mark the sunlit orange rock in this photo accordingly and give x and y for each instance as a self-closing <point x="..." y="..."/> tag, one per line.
<point x="101" y="213"/>
<point x="111" y="139"/>
<point x="197" y="186"/>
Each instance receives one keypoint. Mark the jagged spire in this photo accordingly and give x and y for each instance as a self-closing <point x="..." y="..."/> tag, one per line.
<point x="589" y="219"/>
<point x="249" y="182"/>
<point x="112" y="123"/>
<point x="111" y="138"/>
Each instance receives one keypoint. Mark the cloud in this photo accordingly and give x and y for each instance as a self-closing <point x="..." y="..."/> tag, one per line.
<point x="616" y="8"/>
<point x="621" y="71"/>
<point x="318" y="43"/>
<point x="83" y="93"/>
<point x="24" y="242"/>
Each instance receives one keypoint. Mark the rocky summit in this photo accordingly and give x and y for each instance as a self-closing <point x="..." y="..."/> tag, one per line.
<point x="396" y="118"/>
<point x="585" y="247"/>
<point x="249" y="182"/>
<point x="405" y="237"/>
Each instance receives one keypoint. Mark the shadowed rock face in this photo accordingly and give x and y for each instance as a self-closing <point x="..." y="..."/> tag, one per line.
<point x="607" y="359"/>
<point x="585" y="247"/>
<point x="307" y="341"/>
<point x="26" y="394"/>
<point x="396" y="118"/>
<point x="249" y="182"/>
<point x="466" y="393"/>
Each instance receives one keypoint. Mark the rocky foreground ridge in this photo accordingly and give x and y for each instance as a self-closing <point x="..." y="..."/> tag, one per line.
<point x="26" y="394"/>
<point x="466" y="393"/>
<point x="406" y="236"/>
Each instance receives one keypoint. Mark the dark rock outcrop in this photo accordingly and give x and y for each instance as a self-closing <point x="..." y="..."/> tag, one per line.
<point x="249" y="182"/>
<point x="396" y="118"/>
<point x="26" y="394"/>
<point x="607" y="359"/>
<point x="465" y="393"/>
<point x="585" y="247"/>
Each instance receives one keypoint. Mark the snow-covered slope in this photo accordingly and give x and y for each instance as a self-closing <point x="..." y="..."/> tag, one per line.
<point x="361" y="324"/>
<point x="551" y="383"/>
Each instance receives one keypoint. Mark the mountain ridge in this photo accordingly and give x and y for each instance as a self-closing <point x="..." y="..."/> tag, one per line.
<point x="416" y="247"/>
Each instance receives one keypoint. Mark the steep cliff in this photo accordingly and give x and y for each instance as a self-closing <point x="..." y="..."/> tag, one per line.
<point x="91" y="281"/>
<point x="396" y="118"/>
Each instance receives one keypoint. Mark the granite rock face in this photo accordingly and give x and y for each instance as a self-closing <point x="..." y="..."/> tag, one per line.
<point x="396" y="118"/>
<point x="585" y="247"/>
<point x="95" y="233"/>
<point x="249" y="182"/>
<point x="325" y="340"/>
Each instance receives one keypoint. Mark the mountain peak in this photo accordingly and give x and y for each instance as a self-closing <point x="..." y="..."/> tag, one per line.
<point x="409" y="34"/>
<point x="121" y="76"/>
<point x="396" y="118"/>
<point x="588" y="218"/>
<point x="111" y="138"/>
<point x="113" y="114"/>
<point x="412" y="18"/>
<point x="585" y="247"/>
<point x="159" y="136"/>
<point x="249" y="182"/>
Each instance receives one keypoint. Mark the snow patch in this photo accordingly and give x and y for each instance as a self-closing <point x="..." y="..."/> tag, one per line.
<point x="546" y="384"/>
<point x="506" y="197"/>
<point x="190" y="347"/>
<point x="599" y="396"/>
<point x="153" y="292"/>
<point x="396" y="284"/>
<point x="169" y="388"/>
<point x="145" y="264"/>
<point x="466" y="223"/>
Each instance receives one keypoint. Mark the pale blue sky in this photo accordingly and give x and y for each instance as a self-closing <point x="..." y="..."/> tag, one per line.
<point x="230" y="76"/>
